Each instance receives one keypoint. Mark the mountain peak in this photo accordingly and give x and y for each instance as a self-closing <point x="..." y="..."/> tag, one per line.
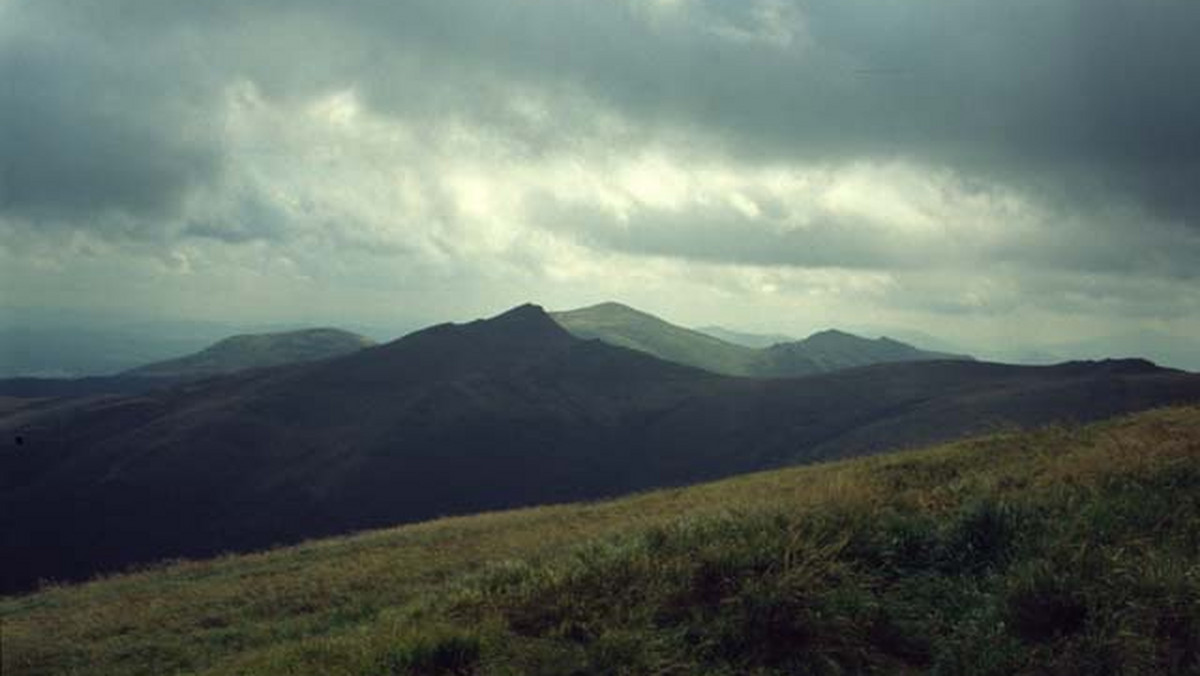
<point x="526" y="318"/>
<point x="522" y="312"/>
<point x="835" y="332"/>
<point x="608" y="309"/>
<point x="524" y="326"/>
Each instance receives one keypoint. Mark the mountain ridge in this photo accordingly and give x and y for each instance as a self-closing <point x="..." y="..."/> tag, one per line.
<point x="826" y="350"/>
<point x="460" y="418"/>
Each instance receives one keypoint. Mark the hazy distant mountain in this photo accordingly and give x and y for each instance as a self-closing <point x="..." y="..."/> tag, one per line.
<point x="831" y="350"/>
<point x="463" y="418"/>
<point x="238" y="353"/>
<point x="755" y="340"/>
<point x="1162" y="348"/>
<point x="920" y="339"/>
<point x="822" y="352"/>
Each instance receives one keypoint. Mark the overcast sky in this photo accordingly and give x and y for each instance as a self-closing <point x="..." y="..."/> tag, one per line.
<point x="988" y="172"/>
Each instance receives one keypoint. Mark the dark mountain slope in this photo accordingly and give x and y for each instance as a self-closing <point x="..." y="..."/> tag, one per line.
<point x="238" y="353"/>
<point x="458" y="419"/>
<point x="1025" y="553"/>
<point x="36" y="388"/>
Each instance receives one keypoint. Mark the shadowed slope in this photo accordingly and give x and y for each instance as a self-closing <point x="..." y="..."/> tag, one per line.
<point x="461" y="418"/>
<point x="1063" y="550"/>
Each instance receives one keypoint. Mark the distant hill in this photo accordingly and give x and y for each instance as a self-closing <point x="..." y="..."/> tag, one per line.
<point x="831" y="350"/>
<point x="1163" y="348"/>
<point x="755" y="340"/>
<point x="621" y="325"/>
<point x="228" y="355"/>
<point x="1065" y="550"/>
<point x="258" y="350"/>
<point x="819" y="353"/>
<point x="456" y="419"/>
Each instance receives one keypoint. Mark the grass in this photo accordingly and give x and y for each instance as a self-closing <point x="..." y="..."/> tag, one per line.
<point x="1067" y="550"/>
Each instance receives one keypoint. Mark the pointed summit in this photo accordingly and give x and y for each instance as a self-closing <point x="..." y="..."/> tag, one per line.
<point x="523" y="324"/>
<point x="520" y="335"/>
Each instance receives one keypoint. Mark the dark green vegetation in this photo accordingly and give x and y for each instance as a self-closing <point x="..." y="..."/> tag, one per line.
<point x="1066" y="550"/>
<point x="822" y="352"/>
<point x="459" y="419"/>
<point x="259" y="350"/>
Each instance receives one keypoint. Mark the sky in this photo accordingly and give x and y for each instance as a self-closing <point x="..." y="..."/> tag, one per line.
<point x="990" y="173"/>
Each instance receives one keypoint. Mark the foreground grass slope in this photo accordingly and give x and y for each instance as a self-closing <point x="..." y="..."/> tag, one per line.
<point x="1072" y="550"/>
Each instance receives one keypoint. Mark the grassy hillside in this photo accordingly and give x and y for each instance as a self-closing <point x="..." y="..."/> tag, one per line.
<point x="821" y="352"/>
<point x="1068" y="550"/>
<point x="624" y="326"/>
<point x="755" y="340"/>
<point x="258" y="350"/>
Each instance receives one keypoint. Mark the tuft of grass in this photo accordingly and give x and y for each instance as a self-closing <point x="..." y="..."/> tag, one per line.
<point x="1067" y="550"/>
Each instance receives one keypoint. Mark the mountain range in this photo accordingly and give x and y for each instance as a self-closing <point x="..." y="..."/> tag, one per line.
<point x="454" y="419"/>
<point x="611" y="322"/>
<point x="819" y="353"/>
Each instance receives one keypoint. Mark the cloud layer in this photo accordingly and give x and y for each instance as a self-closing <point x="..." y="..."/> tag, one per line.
<point x="952" y="167"/>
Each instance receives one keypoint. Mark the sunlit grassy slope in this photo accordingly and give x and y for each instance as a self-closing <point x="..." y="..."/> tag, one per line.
<point x="1069" y="550"/>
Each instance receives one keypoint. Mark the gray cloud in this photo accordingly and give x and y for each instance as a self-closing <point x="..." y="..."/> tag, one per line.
<point x="90" y="125"/>
<point x="111" y="105"/>
<point x="1068" y="128"/>
<point x="723" y="234"/>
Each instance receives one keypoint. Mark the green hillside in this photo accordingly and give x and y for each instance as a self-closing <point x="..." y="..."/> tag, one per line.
<point x="624" y="326"/>
<point x="1067" y="550"/>
<point x="755" y="340"/>
<point x="258" y="350"/>
<point x="726" y="354"/>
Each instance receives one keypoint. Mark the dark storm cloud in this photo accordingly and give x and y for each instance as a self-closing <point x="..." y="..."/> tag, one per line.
<point x="89" y="124"/>
<point x="1071" y="98"/>
<point x="118" y="105"/>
